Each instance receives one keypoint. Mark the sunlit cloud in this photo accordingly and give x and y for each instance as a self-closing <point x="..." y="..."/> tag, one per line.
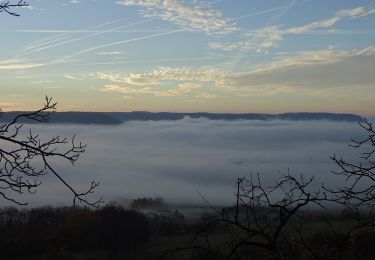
<point x="18" y="65"/>
<point x="110" y="53"/>
<point x="257" y="40"/>
<point x="194" y="17"/>
<point x="182" y="89"/>
<point x="351" y="13"/>
<point x="160" y="75"/>
<point x="41" y="82"/>
<point x="307" y="71"/>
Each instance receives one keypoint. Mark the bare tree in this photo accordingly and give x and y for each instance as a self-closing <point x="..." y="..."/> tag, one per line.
<point x="258" y="221"/>
<point x="8" y="6"/>
<point x="25" y="158"/>
<point x="359" y="191"/>
<point x="356" y="199"/>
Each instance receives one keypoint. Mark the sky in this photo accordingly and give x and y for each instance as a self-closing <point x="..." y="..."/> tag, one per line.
<point x="232" y="56"/>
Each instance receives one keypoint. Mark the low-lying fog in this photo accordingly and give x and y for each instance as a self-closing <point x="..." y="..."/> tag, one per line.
<point x="178" y="160"/>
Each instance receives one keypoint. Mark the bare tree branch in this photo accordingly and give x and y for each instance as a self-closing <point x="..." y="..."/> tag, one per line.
<point x="359" y="191"/>
<point x="25" y="158"/>
<point x="259" y="217"/>
<point x="7" y="7"/>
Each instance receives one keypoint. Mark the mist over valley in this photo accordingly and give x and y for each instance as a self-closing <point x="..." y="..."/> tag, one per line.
<point x="183" y="160"/>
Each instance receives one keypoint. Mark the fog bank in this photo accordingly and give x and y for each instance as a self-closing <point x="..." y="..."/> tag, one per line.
<point x="180" y="159"/>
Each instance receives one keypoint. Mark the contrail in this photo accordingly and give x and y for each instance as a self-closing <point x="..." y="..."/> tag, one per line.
<point x="45" y="43"/>
<point x="40" y="42"/>
<point x="90" y="31"/>
<point x="266" y="11"/>
<point x="88" y="36"/>
<point x="148" y="61"/>
<point x="283" y="12"/>
<point x="115" y="43"/>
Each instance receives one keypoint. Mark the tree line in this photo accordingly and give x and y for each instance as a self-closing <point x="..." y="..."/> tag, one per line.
<point x="57" y="232"/>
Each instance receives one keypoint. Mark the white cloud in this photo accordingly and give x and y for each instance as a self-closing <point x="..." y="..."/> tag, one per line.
<point x="182" y="89"/>
<point x="41" y="82"/>
<point x="109" y="53"/>
<point x="194" y="17"/>
<point x="75" y="2"/>
<point x="356" y="12"/>
<point x="315" y="25"/>
<point x="351" y="13"/>
<point x="27" y="7"/>
<point x="161" y="74"/>
<point x="257" y="40"/>
<point x="18" y="65"/>
<point x="307" y="71"/>
<point x="270" y="37"/>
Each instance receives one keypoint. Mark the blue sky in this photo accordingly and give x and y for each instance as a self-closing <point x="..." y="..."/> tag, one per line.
<point x="167" y="55"/>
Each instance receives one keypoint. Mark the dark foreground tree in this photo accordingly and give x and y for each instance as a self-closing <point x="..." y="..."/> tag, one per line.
<point x="258" y="225"/>
<point x="359" y="192"/>
<point x="26" y="156"/>
<point x="8" y="7"/>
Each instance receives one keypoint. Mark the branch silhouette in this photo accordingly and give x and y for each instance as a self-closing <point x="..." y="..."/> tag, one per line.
<point x="7" y="7"/>
<point x="26" y="158"/>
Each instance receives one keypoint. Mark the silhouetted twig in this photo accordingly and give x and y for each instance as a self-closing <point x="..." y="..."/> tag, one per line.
<point x="24" y="159"/>
<point x="7" y="7"/>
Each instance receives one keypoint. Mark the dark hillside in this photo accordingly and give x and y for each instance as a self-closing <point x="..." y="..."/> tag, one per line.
<point x="115" y="118"/>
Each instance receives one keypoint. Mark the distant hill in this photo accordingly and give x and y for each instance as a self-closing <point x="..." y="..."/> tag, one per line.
<point x="69" y="118"/>
<point x="115" y="118"/>
<point x="144" y="116"/>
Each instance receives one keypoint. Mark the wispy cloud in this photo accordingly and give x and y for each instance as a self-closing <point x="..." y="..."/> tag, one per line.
<point x="43" y="46"/>
<point x="181" y="82"/>
<point x="110" y="53"/>
<point x="160" y="75"/>
<point x="351" y="13"/>
<point x="307" y="71"/>
<point x="257" y="40"/>
<point x="182" y="89"/>
<point x="41" y="82"/>
<point x="270" y="37"/>
<point x="18" y="64"/>
<point x="148" y="61"/>
<point x="88" y="31"/>
<point x="193" y="17"/>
